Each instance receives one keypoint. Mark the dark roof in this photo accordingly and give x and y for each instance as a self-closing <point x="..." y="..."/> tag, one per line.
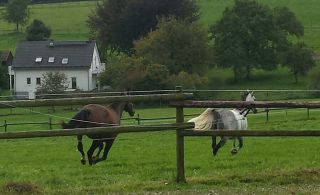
<point x="79" y="54"/>
<point x="6" y="57"/>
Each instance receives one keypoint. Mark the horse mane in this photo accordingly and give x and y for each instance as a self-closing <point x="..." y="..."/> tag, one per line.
<point x="204" y="121"/>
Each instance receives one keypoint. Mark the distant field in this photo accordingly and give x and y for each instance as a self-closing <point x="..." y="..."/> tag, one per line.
<point x="68" y="20"/>
<point x="306" y="11"/>
<point x="145" y="162"/>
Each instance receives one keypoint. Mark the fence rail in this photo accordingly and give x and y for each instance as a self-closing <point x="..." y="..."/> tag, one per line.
<point x="95" y="100"/>
<point x="243" y="104"/>
<point x="180" y="134"/>
<point x="96" y="130"/>
<point x="251" y="133"/>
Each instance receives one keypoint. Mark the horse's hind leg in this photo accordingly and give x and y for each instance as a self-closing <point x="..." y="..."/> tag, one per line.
<point x="99" y="150"/>
<point x="240" y="139"/>
<point x="80" y="149"/>
<point x="106" y="150"/>
<point x="94" y="145"/>
<point x="219" y="145"/>
<point x="214" y="142"/>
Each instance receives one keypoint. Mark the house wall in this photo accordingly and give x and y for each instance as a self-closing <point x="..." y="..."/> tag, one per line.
<point x="95" y="68"/>
<point x="21" y="76"/>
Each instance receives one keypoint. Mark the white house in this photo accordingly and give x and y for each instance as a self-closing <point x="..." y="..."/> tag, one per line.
<point x="79" y="60"/>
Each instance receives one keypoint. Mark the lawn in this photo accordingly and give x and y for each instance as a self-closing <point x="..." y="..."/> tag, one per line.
<point x="145" y="162"/>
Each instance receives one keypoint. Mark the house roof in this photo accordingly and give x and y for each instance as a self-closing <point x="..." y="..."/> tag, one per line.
<point x="6" y="57"/>
<point x="79" y="54"/>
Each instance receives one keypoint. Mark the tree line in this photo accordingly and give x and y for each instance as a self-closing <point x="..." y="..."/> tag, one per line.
<point x="3" y="2"/>
<point x="141" y="40"/>
<point x="160" y="43"/>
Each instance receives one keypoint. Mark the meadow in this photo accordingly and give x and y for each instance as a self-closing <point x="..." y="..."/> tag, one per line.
<point x="145" y="162"/>
<point x="68" y="20"/>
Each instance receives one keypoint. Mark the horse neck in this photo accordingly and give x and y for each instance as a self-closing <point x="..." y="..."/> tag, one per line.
<point x="118" y="108"/>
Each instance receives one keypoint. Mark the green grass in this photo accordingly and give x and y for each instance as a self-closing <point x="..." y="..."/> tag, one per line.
<point x="68" y="20"/>
<point x="145" y="162"/>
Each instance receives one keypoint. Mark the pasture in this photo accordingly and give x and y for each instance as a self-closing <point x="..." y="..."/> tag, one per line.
<point x="145" y="162"/>
<point x="68" y="20"/>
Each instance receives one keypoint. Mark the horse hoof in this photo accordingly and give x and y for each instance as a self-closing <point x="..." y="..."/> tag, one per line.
<point x="234" y="151"/>
<point x="83" y="161"/>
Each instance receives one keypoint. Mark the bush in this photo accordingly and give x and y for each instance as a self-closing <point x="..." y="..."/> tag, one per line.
<point x="38" y="31"/>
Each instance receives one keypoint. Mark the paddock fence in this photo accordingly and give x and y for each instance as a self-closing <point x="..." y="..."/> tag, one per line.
<point x="180" y="134"/>
<point x="179" y="101"/>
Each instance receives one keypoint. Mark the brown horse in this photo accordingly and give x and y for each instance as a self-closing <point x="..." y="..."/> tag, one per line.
<point x="94" y="115"/>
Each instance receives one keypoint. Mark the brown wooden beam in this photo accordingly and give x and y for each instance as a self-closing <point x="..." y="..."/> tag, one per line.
<point x="251" y="133"/>
<point x="242" y="104"/>
<point x="97" y="130"/>
<point x="95" y="100"/>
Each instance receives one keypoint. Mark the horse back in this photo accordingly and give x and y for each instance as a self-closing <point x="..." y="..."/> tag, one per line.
<point x="101" y="114"/>
<point x="233" y="120"/>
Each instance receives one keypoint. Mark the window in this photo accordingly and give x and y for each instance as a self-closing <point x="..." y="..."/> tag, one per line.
<point x="64" y="60"/>
<point x="38" y="59"/>
<point x="38" y="81"/>
<point x="51" y="59"/>
<point x="74" y="83"/>
<point x="29" y="81"/>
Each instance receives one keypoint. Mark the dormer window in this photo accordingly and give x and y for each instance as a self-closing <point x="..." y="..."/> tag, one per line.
<point x="38" y="59"/>
<point x="51" y="59"/>
<point x="64" y="60"/>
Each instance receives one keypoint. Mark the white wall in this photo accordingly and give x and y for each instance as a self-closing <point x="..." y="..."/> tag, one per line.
<point x="22" y="75"/>
<point x="95" y="68"/>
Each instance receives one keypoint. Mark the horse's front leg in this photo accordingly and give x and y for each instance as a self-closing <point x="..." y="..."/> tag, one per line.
<point x="80" y="149"/>
<point x="107" y="148"/>
<point x="94" y="145"/>
<point x="222" y="141"/>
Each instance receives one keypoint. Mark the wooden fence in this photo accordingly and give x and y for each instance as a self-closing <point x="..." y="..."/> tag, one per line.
<point x="180" y="126"/>
<point x="180" y="134"/>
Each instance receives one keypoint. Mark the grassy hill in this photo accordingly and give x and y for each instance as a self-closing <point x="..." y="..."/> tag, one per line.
<point x="68" y="22"/>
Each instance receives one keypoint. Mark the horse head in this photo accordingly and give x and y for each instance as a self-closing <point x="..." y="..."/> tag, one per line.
<point x="129" y="108"/>
<point x="248" y="96"/>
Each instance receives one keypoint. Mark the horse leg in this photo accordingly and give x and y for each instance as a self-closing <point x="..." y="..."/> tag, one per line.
<point x="80" y="149"/>
<point x="99" y="151"/>
<point x="107" y="147"/>
<point x="94" y="145"/>
<point x="219" y="145"/>
<point x="240" y="139"/>
<point x="214" y="142"/>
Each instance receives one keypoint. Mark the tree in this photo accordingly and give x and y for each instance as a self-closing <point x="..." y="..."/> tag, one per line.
<point x="117" y="23"/>
<point x="179" y="45"/>
<point x="17" y="12"/>
<point x="135" y="73"/>
<point x="4" y="78"/>
<point x="38" y="31"/>
<point x="299" y="60"/>
<point x="53" y="83"/>
<point x="250" y="35"/>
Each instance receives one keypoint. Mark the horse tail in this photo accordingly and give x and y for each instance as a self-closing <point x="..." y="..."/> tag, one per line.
<point x="203" y="121"/>
<point x="80" y="120"/>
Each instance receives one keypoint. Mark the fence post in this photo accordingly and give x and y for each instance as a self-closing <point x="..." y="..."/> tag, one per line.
<point x="5" y="125"/>
<point x="50" y="123"/>
<point x="180" y="147"/>
<point x="138" y="119"/>
<point x="180" y="144"/>
<point x="308" y="113"/>
<point x="267" y="114"/>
